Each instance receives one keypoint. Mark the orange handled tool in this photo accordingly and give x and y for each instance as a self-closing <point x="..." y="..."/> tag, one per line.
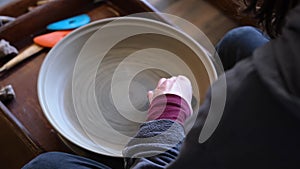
<point x="47" y="40"/>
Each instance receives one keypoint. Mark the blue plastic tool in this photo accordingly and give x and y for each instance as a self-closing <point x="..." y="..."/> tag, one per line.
<point x="70" y="23"/>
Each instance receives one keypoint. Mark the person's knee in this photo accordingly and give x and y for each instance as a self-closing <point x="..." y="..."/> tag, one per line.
<point x="239" y="43"/>
<point x="243" y="30"/>
<point x="238" y="35"/>
<point x="45" y="161"/>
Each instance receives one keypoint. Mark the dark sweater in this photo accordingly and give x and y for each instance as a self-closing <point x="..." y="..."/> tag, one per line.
<point x="260" y="125"/>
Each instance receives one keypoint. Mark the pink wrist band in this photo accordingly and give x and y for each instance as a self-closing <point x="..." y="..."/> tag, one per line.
<point x="170" y="107"/>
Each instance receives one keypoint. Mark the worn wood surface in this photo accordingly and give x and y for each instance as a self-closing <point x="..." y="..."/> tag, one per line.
<point x="16" y="141"/>
<point x="235" y="9"/>
<point x="201" y="13"/>
<point x="29" y="24"/>
<point x="16" y="8"/>
<point x="25" y="109"/>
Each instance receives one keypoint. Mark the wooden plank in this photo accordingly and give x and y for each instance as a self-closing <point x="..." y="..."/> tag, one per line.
<point x="209" y="19"/>
<point x="235" y="10"/>
<point x="16" y="8"/>
<point x="19" y="130"/>
<point x="16" y="142"/>
<point x="131" y="6"/>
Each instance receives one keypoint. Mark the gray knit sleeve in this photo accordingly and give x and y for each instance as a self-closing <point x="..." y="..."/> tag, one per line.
<point x="155" y="145"/>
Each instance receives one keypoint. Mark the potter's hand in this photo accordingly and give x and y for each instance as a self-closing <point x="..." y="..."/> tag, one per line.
<point x="178" y="85"/>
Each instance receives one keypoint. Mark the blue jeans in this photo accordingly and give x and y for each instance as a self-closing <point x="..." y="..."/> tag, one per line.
<point x="236" y="45"/>
<point x="58" y="160"/>
<point x="239" y="43"/>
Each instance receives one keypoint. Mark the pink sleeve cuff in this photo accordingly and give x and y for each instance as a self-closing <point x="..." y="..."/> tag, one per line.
<point x="169" y="107"/>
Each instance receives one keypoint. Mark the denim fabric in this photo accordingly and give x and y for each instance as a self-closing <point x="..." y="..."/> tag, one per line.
<point x="238" y="44"/>
<point x="58" y="160"/>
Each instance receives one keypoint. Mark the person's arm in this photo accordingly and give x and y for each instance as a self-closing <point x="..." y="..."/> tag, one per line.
<point x="158" y="141"/>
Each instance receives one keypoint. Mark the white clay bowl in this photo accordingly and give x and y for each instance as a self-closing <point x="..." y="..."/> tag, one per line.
<point x="97" y="98"/>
